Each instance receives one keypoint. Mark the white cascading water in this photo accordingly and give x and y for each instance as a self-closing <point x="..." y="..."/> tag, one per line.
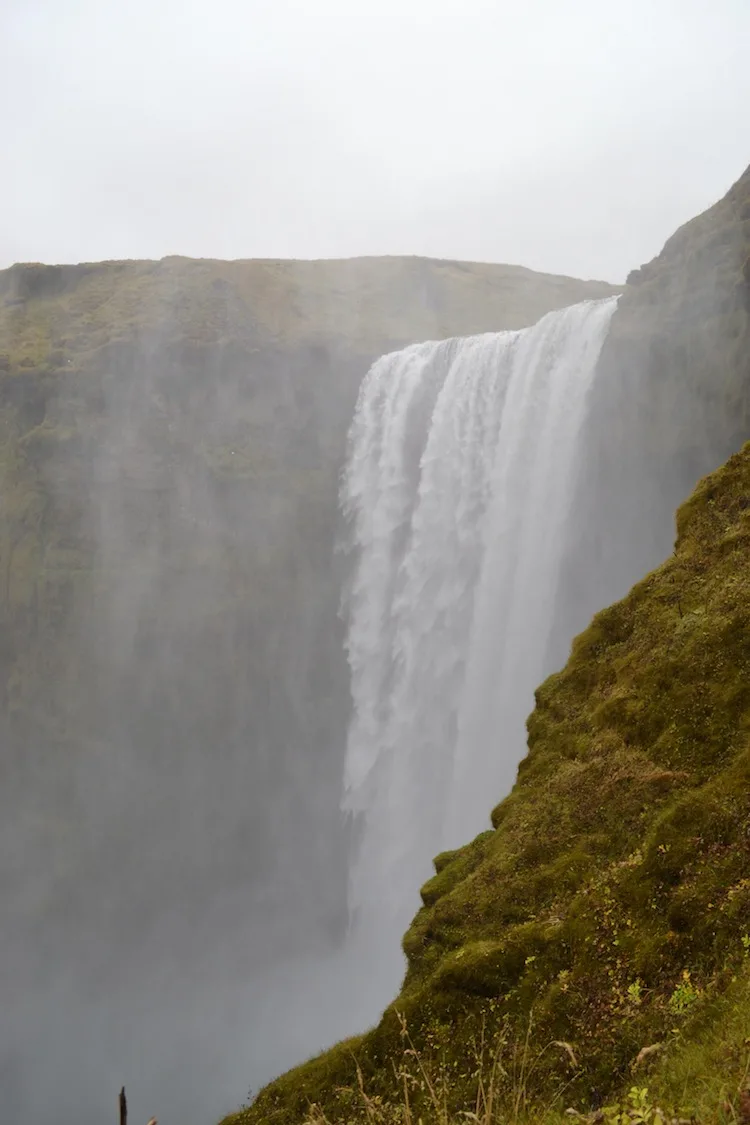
<point x="461" y="461"/>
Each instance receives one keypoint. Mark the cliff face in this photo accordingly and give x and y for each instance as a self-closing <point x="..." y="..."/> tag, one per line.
<point x="608" y="908"/>
<point x="173" y="689"/>
<point x="170" y="440"/>
<point x="671" y="403"/>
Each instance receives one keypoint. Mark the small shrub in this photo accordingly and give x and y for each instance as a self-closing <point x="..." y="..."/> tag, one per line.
<point x="684" y="995"/>
<point x="637" y="1109"/>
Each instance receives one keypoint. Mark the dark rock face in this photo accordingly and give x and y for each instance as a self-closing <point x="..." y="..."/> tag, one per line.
<point x="671" y="403"/>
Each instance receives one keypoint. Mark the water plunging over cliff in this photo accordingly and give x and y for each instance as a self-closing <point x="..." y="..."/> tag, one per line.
<point x="461" y="462"/>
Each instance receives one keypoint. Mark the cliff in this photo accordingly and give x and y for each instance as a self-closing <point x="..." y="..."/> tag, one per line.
<point x="170" y="440"/>
<point x="671" y="401"/>
<point x="173" y="687"/>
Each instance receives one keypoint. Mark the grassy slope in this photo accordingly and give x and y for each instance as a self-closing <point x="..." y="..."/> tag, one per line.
<point x="612" y="898"/>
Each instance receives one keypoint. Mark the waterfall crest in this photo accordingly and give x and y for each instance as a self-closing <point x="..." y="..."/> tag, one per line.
<point x="461" y="462"/>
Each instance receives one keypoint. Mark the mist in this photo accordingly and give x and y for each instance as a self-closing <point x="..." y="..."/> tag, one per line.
<point x="176" y="866"/>
<point x="175" y="690"/>
<point x="571" y="138"/>
<point x="173" y="855"/>
<point x="175" y="698"/>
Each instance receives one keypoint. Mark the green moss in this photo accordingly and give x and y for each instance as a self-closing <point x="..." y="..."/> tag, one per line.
<point x="452" y="867"/>
<point x="707" y="1064"/>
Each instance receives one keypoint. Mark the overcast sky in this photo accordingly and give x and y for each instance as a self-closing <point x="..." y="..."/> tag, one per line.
<point x="566" y="135"/>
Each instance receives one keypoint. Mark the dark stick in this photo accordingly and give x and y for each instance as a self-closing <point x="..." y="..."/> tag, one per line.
<point x="123" y="1107"/>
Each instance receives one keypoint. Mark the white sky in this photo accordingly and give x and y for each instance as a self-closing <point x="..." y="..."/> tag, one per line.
<point x="566" y="135"/>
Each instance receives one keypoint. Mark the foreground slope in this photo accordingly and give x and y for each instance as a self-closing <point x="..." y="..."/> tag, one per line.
<point x="609" y="907"/>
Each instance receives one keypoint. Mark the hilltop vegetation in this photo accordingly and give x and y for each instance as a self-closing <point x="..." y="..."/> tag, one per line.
<point x="54" y="313"/>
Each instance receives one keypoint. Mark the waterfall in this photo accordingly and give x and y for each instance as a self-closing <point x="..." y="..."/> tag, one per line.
<point x="461" y="462"/>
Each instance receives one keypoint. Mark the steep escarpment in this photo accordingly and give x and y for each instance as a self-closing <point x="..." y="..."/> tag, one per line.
<point x="173" y="689"/>
<point x="682" y="335"/>
<point x="670" y="404"/>
<point x="609" y="907"/>
<point x="171" y="437"/>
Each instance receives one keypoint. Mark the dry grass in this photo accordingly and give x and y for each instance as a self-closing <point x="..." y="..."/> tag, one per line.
<point x="500" y="1071"/>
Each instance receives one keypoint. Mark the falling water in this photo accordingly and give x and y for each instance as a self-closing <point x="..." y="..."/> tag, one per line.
<point x="462" y="457"/>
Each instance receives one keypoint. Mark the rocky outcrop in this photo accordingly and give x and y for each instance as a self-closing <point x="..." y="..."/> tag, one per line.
<point x="671" y="402"/>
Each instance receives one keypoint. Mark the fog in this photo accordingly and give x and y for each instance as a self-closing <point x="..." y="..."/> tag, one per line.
<point x="173" y="860"/>
<point x="570" y="137"/>
<point x="173" y="856"/>
<point x="174" y="693"/>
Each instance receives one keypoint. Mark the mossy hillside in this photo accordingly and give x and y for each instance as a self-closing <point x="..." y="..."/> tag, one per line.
<point x="700" y="1073"/>
<point x="706" y="1070"/>
<point x="609" y="907"/>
